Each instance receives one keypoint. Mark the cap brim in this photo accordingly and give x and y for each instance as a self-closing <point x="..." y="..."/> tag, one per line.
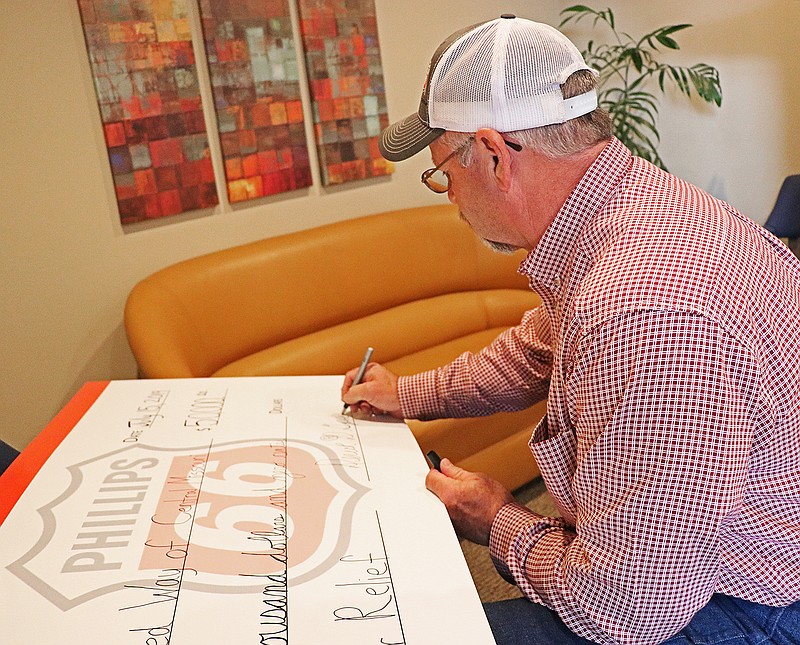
<point x="406" y="138"/>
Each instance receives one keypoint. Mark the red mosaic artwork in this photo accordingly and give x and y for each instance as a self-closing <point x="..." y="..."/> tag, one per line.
<point x="145" y="76"/>
<point x="146" y="84"/>
<point x="346" y="85"/>
<point x="254" y="76"/>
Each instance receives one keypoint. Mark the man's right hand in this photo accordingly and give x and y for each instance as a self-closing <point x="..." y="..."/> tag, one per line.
<point x="376" y="394"/>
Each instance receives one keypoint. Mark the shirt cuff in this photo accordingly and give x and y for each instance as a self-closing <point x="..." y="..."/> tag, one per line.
<point x="511" y="520"/>
<point x="418" y="396"/>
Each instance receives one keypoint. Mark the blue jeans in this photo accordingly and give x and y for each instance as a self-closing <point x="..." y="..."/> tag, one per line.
<point x="723" y="621"/>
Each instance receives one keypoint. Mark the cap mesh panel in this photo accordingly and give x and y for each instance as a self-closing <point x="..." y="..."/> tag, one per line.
<point x="465" y="71"/>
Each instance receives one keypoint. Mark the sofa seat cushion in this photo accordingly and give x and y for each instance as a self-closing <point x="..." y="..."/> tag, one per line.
<point x="412" y="329"/>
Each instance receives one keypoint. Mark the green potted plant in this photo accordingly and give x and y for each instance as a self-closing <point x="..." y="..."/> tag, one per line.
<point x="629" y="69"/>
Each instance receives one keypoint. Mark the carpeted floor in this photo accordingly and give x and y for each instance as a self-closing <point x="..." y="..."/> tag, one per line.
<point x="490" y="585"/>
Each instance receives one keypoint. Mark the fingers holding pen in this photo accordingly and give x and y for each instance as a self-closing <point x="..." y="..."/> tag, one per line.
<point x="360" y="373"/>
<point x="349" y="378"/>
<point x="376" y="393"/>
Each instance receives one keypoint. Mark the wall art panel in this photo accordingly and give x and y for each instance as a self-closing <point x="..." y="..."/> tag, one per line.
<point x="147" y="90"/>
<point x="256" y="87"/>
<point x="345" y="79"/>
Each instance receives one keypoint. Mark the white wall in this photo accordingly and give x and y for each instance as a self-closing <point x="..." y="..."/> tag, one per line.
<point x="742" y="151"/>
<point x="66" y="265"/>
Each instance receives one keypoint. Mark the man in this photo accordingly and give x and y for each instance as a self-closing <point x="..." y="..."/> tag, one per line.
<point x="667" y="343"/>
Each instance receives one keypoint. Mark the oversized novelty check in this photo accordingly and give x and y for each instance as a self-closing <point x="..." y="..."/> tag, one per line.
<point x="246" y="510"/>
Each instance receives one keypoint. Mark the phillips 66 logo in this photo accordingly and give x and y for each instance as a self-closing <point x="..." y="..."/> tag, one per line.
<point x="223" y="515"/>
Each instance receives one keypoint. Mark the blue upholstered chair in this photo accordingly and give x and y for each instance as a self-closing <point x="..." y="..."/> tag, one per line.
<point x="7" y="455"/>
<point x="784" y="220"/>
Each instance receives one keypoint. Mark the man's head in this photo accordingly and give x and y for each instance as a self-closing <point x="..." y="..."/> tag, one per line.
<point x="509" y="111"/>
<point x="506" y="74"/>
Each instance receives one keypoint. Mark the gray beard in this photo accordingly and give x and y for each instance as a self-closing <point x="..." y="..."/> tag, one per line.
<point x="500" y="247"/>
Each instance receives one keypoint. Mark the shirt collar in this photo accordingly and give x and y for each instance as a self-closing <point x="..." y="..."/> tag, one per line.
<point x="547" y="261"/>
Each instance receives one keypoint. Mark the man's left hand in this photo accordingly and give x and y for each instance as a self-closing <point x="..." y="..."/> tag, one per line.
<point x="472" y="499"/>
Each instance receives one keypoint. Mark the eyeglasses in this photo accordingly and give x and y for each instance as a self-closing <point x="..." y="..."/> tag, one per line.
<point x="438" y="180"/>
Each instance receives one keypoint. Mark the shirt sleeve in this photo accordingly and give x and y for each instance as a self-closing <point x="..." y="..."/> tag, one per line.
<point x="512" y="373"/>
<point x="660" y="409"/>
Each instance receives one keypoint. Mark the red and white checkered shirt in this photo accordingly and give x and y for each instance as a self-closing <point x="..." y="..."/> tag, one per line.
<point x="668" y="345"/>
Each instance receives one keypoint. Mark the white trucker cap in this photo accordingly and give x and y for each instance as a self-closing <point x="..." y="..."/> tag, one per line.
<point x="504" y="74"/>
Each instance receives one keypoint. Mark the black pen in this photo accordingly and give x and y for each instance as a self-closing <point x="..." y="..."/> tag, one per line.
<point x="435" y="459"/>
<point x="360" y="373"/>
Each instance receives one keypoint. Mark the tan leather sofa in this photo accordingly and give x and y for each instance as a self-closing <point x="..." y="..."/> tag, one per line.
<point x="415" y="284"/>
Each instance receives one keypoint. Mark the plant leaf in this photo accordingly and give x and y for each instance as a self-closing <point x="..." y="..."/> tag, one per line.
<point x="667" y="41"/>
<point x="578" y="8"/>
<point x="610" y="18"/>
<point x="575" y="13"/>
<point x="674" y="28"/>
<point x="636" y="57"/>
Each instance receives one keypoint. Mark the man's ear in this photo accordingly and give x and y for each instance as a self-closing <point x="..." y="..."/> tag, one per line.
<point x="491" y="144"/>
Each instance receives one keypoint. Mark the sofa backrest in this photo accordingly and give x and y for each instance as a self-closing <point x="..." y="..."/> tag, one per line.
<point x="195" y="317"/>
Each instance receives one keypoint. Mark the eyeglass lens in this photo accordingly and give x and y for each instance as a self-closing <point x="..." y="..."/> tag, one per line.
<point x="437" y="180"/>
